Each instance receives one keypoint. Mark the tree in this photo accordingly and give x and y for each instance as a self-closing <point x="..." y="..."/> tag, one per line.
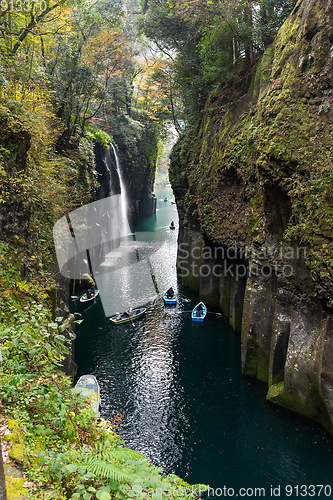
<point x="156" y="92"/>
<point x="211" y="40"/>
<point x="17" y="22"/>
<point x="176" y="36"/>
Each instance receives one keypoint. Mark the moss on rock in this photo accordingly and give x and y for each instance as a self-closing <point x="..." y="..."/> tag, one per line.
<point x="16" y="452"/>
<point x="14" y="483"/>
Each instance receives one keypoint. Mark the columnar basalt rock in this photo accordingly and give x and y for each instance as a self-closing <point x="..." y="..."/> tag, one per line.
<point x="215" y="272"/>
<point x="256" y="176"/>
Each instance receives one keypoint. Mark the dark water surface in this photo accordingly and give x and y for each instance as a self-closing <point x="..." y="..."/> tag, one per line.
<point x="185" y="403"/>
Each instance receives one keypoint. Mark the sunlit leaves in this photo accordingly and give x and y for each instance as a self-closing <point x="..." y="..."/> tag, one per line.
<point x="156" y="93"/>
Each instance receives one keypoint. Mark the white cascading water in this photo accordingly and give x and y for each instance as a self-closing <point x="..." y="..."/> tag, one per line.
<point x="124" y="227"/>
<point x="133" y="264"/>
<point x="134" y="271"/>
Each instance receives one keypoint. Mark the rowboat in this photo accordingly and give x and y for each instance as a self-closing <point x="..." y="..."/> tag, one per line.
<point x="171" y="301"/>
<point x="173" y="203"/>
<point x="198" y="315"/>
<point x="136" y="313"/>
<point x="84" y="297"/>
<point x="165" y="199"/>
<point x="88" y="387"/>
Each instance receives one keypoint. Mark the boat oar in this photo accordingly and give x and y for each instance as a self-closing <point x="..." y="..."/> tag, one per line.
<point x="185" y="299"/>
<point x="74" y="297"/>
<point x="208" y="312"/>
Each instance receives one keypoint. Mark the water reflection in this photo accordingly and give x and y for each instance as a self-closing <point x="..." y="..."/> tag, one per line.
<point x="153" y="387"/>
<point x="136" y="272"/>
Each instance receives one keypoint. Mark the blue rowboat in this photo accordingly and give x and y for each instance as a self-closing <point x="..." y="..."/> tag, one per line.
<point x="169" y="302"/>
<point x="197" y="314"/>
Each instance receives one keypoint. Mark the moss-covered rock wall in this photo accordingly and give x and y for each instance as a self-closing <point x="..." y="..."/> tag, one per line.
<point x="14" y="145"/>
<point x="256" y="176"/>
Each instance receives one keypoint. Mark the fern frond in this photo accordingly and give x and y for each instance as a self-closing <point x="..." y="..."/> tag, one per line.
<point x="105" y="470"/>
<point x="109" y="454"/>
<point x="134" y="453"/>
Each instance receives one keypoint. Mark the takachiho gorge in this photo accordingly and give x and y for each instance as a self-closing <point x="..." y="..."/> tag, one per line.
<point x="175" y="388"/>
<point x="195" y="301"/>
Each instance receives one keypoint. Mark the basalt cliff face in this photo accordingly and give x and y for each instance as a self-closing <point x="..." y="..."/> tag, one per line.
<point x="254" y="185"/>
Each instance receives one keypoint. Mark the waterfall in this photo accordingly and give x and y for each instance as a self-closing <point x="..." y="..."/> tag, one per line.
<point x="124" y="228"/>
<point x="96" y="239"/>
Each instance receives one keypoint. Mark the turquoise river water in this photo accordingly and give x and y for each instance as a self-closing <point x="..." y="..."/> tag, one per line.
<point x="179" y="387"/>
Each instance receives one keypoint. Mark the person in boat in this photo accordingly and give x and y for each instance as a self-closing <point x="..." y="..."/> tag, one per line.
<point x="118" y="316"/>
<point x="172" y="224"/>
<point x="91" y="292"/>
<point x="170" y="293"/>
<point x="128" y="313"/>
<point x="199" y="310"/>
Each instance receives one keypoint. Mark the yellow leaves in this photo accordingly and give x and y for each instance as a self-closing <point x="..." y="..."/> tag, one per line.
<point x="2" y="170"/>
<point x="106" y="44"/>
<point x="23" y="286"/>
<point x="34" y="98"/>
<point x="153" y="86"/>
<point x="67" y="12"/>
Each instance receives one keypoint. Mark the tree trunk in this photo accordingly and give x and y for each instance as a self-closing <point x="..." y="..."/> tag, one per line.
<point x="249" y="55"/>
<point x="128" y="101"/>
<point x="230" y="50"/>
<point x="249" y="43"/>
<point x="3" y="493"/>
<point x="266" y="13"/>
<point x="236" y="50"/>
